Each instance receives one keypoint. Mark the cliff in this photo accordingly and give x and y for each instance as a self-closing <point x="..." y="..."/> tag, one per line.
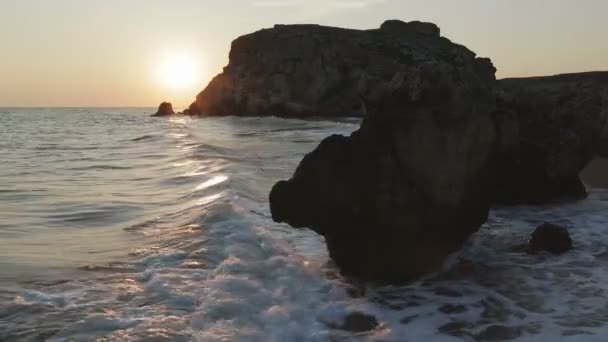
<point x="550" y="128"/>
<point x="311" y="70"/>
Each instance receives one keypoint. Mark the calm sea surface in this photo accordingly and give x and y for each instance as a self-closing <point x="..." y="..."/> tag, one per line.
<point x="115" y="226"/>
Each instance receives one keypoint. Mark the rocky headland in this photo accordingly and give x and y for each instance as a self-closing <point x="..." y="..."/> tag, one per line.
<point x="441" y="140"/>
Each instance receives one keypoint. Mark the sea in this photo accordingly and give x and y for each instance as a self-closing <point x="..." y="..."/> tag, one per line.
<point x="118" y="226"/>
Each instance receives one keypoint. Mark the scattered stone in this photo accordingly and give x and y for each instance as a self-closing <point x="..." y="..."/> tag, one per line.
<point x="359" y="322"/>
<point x="165" y="109"/>
<point x="550" y="238"/>
<point x="499" y="333"/>
<point x="452" y="308"/>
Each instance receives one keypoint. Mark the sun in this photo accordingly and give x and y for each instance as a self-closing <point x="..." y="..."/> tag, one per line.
<point x="178" y="72"/>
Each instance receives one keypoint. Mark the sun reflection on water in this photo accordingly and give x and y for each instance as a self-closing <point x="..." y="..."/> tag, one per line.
<point x="212" y="182"/>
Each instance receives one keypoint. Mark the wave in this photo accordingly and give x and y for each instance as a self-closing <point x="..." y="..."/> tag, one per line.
<point x="100" y="167"/>
<point x="146" y="138"/>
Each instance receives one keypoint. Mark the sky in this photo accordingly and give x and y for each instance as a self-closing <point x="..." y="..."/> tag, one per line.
<point x="141" y="52"/>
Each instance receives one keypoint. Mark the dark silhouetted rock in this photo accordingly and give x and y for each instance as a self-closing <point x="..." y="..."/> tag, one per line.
<point x="359" y="322"/>
<point x="410" y="186"/>
<point x="550" y="128"/>
<point x="550" y="238"/>
<point x="165" y="109"/>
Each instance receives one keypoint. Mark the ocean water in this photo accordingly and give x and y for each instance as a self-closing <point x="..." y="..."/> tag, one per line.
<point x="115" y="226"/>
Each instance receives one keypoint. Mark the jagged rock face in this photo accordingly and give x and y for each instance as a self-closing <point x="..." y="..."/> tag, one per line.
<point x="550" y="128"/>
<point x="409" y="187"/>
<point x="311" y="70"/>
<point x="164" y="109"/>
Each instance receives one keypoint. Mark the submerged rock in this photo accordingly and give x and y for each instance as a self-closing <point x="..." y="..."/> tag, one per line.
<point x="550" y="238"/>
<point x="452" y="308"/>
<point x="499" y="333"/>
<point x="359" y="322"/>
<point x="165" y="109"/>
<point x="410" y="186"/>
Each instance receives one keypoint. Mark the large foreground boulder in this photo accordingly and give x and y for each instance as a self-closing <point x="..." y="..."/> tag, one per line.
<point x="550" y="128"/>
<point x="411" y="185"/>
<point x="441" y="141"/>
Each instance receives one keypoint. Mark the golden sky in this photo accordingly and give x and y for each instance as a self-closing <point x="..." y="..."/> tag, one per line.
<point x="142" y="52"/>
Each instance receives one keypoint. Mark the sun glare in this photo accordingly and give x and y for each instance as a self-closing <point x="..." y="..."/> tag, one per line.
<point x="179" y="72"/>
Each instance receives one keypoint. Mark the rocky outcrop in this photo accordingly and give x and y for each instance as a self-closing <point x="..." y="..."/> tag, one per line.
<point x="164" y="109"/>
<point x="410" y="186"/>
<point x="311" y="70"/>
<point x="550" y="238"/>
<point x="441" y="141"/>
<point x="550" y="128"/>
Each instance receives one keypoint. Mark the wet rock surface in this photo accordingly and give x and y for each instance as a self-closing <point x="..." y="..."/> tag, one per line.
<point x="499" y="333"/>
<point x="550" y="238"/>
<point x="359" y="322"/>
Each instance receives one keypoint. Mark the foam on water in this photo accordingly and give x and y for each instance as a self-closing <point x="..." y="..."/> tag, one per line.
<point x="203" y="260"/>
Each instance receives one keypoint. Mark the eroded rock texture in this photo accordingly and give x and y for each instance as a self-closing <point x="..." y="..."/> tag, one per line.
<point x="411" y="185"/>
<point x="550" y="128"/>
<point x="441" y="141"/>
<point x="311" y="70"/>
